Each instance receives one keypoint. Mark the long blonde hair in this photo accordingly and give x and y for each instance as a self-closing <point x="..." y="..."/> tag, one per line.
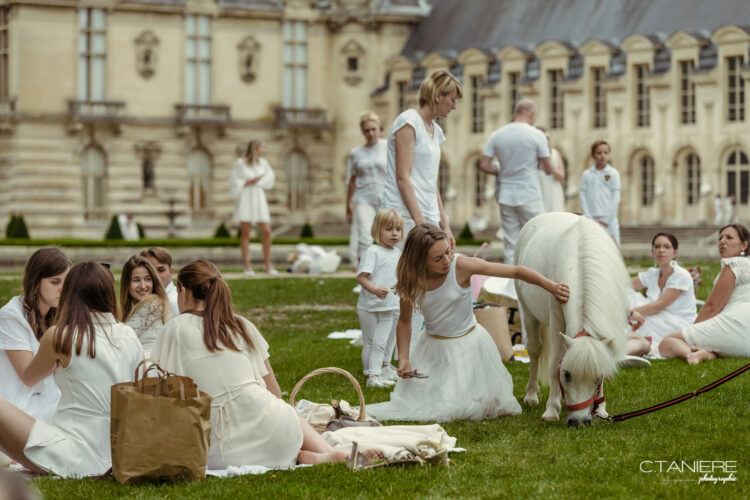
<point x="411" y="273"/>
<point x="252" y="149"/>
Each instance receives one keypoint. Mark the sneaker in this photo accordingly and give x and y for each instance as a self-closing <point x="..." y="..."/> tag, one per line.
<point x="378" y="381"/>
<point x="272" y="272"/>
<point x="389" y="373"/>
<point x="357" y="289"/>
<point x="249" y="273"/>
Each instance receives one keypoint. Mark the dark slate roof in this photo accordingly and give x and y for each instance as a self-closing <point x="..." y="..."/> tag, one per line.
<point x="493" y="24"/>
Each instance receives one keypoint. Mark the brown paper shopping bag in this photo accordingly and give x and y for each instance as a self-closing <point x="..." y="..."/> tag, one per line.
<point x="160" y="428"/>
<point x="495" y="320"/>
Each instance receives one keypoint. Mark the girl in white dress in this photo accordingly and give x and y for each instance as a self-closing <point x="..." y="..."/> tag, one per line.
<point x="465" y="376"/>
<point x="551" y="185"/>
<point x="721" y="328"/>
<point x="89" y="351"/>
<point x="145" y="305"/>
<point x="669" y="304"/>
<point x="251" y="177"/>
<point x="23" y="321"/>
<point x="228" y="358"/>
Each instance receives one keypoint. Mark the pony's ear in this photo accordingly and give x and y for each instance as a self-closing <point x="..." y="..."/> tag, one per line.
<point x="566" y="340"/>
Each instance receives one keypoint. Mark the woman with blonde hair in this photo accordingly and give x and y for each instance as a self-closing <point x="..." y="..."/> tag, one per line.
<point x="145" y="304"/>
<point x="251" y="177"/>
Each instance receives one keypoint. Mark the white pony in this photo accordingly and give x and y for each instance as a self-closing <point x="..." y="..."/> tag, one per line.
<point x="572" y="249"/>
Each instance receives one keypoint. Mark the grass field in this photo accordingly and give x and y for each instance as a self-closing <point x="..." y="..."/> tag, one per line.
<point x="512" y="457"/>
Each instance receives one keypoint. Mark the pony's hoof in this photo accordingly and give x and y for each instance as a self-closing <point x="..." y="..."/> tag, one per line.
<point x="551" y="416"/>
<point x="531" y="400"/>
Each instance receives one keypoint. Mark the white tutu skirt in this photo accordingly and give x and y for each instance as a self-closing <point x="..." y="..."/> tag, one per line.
<point x="466" y="381"/>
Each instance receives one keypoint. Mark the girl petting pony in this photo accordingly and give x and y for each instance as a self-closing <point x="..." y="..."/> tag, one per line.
<point x="456" y="371"/>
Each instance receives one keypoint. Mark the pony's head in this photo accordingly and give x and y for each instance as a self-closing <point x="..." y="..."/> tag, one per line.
<point x="586" y="363"/>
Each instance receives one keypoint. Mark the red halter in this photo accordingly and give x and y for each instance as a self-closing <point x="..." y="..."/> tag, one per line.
<point x="595" y="398"/>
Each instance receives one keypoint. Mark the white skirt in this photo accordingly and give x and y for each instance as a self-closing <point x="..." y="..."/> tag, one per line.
<point x="252" y="206"/>
<point x="466" y="381"/>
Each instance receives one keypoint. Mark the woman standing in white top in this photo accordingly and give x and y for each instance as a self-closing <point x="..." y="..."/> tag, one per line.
<point x="251" y="177"/>
<point x="366" y="166"/>
<point x="669" y="304"/>
<point x="89" y="351"/>
<point x="551" y="185"/>
<point x="23" y="321"/>
<point x="414" y="155"/>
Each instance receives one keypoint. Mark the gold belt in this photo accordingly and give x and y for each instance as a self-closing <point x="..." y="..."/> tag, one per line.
<point x="456" y="337"/>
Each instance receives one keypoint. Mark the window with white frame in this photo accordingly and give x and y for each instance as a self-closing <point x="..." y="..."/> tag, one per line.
<point x="513" y="97"/>
<point x="556" y="111"/>
<point x="738" y="176"/>
<point x="480" y="181"/>
<point x="92" y="54"/>
<point x="687" y="93"/>
<point x="599" y="98"/>
<point x="444" y="179"/>
<point x="197" y="60"/>
<point x="693" y="178"/>
<point x="298" y="182"/>
<point x="401" y="95"/>
<point x="477" y="105"/>
<point x="295" y="64"/>
<point x="93" y="171"/>
<point x="4" y="80"/>
<point x="735" y="90"/>
<point x="642" y="97"/>
<point x="199" y="179"/>
<point x="647" y="181"/>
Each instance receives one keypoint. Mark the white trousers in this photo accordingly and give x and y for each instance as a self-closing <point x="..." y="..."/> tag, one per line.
<point x="513" y="219"/>
<point x="378" y="338"/>
<point x="364" y="214"/>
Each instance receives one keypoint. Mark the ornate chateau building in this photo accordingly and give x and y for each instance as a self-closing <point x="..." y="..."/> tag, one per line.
<point x="136" y="106"/>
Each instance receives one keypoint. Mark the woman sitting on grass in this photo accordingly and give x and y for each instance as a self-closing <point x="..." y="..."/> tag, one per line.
<point x="89" y="351"/>
<point x="722" y="327"/>
<point x="228" y="358"/>
<point x="465" y="376"/>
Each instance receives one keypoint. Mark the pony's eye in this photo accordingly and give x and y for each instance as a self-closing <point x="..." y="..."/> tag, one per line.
<point x="567" y="376"/>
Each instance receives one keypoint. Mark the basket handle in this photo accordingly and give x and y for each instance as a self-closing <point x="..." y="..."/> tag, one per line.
<point x="484" y="246"/>
<point x="340" y="371"/>
<point x="153" y="365"/>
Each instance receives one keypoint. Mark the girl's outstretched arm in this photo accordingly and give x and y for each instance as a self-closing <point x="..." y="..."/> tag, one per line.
<point x="403" y="337"/>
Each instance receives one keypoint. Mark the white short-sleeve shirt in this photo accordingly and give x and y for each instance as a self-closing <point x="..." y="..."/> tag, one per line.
<point x="381" y="264"/>
<point x="424" y="170"/>
<point x="518" y="147"/>
<point x="680" y="280"/>
<point x="367" y="164"/>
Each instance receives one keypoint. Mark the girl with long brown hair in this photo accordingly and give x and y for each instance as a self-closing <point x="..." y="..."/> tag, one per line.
<point x="455" y="371"/>
<point x="228" y="358"/>
<point x="23" y="321"/>
<point x="89" y="350"/>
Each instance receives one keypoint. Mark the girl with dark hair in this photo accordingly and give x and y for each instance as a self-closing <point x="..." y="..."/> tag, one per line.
<point x="90" y="351"/>
<point x="721" y="328"/>
<point x="23" y="321"/>
<point x="228" y="358"/>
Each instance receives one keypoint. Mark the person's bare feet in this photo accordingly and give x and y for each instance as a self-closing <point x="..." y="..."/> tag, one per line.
<point x="698" y="355"/>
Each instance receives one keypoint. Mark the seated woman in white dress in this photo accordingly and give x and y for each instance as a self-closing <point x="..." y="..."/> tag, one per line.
<point x="23" y="321"/>
<point x="669" y="304"/>
<point x="466" y="378"/>
<point x="89" y="351"/>
<point x="722" y="326"/>
<point x="145" y="304"/>
<point x="228" y="358"/>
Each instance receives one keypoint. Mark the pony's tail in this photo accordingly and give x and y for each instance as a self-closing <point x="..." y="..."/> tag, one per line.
<point x="545" y="354"/>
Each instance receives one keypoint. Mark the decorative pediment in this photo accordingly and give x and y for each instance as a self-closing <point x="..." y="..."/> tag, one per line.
<point x="637" y="43"/>
<point x="730" y="34"/>
<point x="552" y="49"/>
<point x="398" y="63"/>
<point x="594" y="47"/>
<point x="472" y="56"/>
<point x="352" y="55"/>
<point x="681" y="39"/>
<point x="511" y="52"/>
<point x="435" y="60"/>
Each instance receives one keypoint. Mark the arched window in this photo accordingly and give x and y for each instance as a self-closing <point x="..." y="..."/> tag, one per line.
<point x="693" y="178"/>
<point x="738" y="176"/>
<point x="480" y="181"/>
<point x="93" y="169"/>
<point x="444" y="179"/>
<point x="647" y="180"/>
<point x="199" y="178"/>
<point x="297" y="176"/>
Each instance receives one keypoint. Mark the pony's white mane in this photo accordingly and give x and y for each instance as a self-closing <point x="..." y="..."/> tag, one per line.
<point x="590" y="359"/>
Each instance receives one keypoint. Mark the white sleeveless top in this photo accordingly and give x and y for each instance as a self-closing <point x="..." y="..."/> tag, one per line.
<point x="447" y="310"/>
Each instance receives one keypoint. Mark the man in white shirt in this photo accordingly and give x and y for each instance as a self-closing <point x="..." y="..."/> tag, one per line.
<point x="520" y="149"/>
<point x="600" y="191"/>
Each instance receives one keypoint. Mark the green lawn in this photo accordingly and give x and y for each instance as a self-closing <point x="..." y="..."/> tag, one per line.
<point x="519" y="457"/>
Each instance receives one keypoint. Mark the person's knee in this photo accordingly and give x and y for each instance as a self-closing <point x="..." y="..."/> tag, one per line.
<point x="265" y="231"/>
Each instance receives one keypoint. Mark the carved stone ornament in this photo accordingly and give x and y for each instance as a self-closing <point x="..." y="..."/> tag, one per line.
<point x="146" y="53"/>
<point x="340" y="12"/>
<point x="352" y="61"/>
<point x="248" y="51"/>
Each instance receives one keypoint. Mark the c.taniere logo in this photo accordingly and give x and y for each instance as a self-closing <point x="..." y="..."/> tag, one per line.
<point x="709" y="471"/>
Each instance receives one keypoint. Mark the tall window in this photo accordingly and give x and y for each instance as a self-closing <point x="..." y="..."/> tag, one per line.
<point x="687" y="92"/>
<point x="4" y="91"/>
<point x="199" y="177"/>
<point x="93" y="171"/>
<point x="647" y="181"/>
<point x="295" y="64"/>
<point x="600" y="101"/>
<point x="642" y="97"/>
<point x="480" y="180"/>
<point x="735" y="90"/>
<point x="693" y="177"/>
<point x="298" y="182"/>
<point x="197" y="60"/>
<point x="513" y="79"/>
<point x="444" y="179"/>
<point x="477" y="105"/>
<point x="738" y="176"/>
<point x="556" y="111"/>
<point x="401" y="97"/>
<point x="92" y="53"/>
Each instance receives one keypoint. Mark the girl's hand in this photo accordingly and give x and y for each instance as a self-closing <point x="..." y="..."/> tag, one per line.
<point x="381" y="292"/>
<point x="403" y="366"/>
<point x="636" y="320"/>
<point x="250" y="182"/>
<point x="561" y="291"/>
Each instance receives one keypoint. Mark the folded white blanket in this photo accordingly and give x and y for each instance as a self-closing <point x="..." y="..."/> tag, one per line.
<point x="242" y="470"/>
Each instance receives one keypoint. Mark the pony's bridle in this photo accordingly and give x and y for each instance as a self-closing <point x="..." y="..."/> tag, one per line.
<point x="597" y="398"/>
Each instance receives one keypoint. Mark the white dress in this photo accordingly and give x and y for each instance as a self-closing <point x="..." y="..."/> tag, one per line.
<point x="466" y="377"/>
<point x="75" y="442"/>
<point x="552" y="190"/>
<point x="249" y="425"/>
<point x="251" y="204"/>
<point x="728" y="333"/>
<point x="16" y="334"/>
<point x="147" y="320"/>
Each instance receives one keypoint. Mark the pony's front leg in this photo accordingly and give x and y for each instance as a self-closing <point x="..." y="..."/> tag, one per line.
<point x="534" y="344"/>
<point x="557" y="324"/>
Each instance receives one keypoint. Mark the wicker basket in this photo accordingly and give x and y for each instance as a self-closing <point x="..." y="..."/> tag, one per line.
<point x="333" y="369"/>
